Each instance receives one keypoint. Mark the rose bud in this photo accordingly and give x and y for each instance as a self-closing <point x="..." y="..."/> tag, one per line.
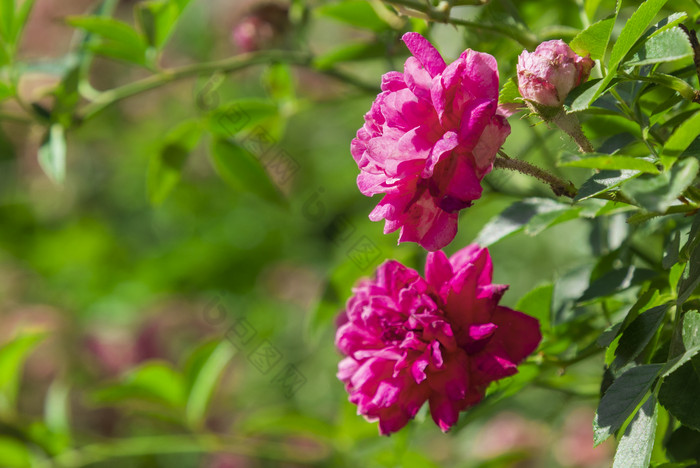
<point x="547" y="75"/>
<point x="262" y="28"/>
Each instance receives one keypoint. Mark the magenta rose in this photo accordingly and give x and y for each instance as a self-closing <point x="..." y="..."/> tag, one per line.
<point x="547" y="75"/>
<point x="429" y="139"/>
<point x="441" y="339"/>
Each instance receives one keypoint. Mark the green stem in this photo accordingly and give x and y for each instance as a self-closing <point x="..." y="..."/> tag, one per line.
<point x="676" y="209"/>
<point x="229" y="65"/>
<point x="522" y="37"/>
<point x="180" y="444"/>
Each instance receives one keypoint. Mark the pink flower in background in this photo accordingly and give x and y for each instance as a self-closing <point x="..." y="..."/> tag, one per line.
<point x="263" y="27"/>
<point x="429" y="139"/>
<point x="441" y="339"/>
<point x="547" y="75"/>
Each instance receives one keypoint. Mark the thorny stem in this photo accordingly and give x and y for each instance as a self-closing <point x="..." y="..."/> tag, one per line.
<point x="559" y="187"/>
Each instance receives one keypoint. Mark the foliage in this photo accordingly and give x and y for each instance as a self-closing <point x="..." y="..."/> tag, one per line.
<point x="181" y="226"/>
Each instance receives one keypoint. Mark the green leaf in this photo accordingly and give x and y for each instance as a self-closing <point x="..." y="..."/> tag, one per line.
<point x="670" y="82"/>
<point x="7" y="16"/>
<point x="591" y="6"/>
<point x="684" y="444"/>
<point x="681" y="138"/>
<point x="670" y="45"/>
<point x="14" y="454"/>
<point x="5" y="91"/>
<point x="12" y="358"/>
<point x="537" y="303"/>
<point x="52" y="154"/>
<point x="509" y="93"/>
<point x="21" y="17"/>
<point x="158" y="18"/>
<point x="152" y="382"/>
<point x="634" y="449"/>
<point x="665" y="24"/>
<point x="202" y="374"/>
<point x="109" y="28"/>
<point x="514" y="218"/>
<point x="638" y="334"/>
<point x="117" y="51"/>
<point x="616" y="281"/>
<point x="657" y="193"/>
<point x="66" y="98"/>
<point x="583" y="96"/>
<point x="279" y="82"/>
<point x="233" y="119"/>
<point x="633" y="30"/>
<point x="679" y="393"/>
<point x="358" y="13"/>
<point x="594" y="39"/>
<point x="671" y="252"/>
<point x="166" y="165"/>
<point x="122" y="41"/>
<point x="356" y="51"/>
<point x="690" y="278"/>
<point x="621" y="399"/>
<point x="691" y="329"/>
<point x="543" y="221"/>
<point x="603" y="181"/>
<point x="608" y="162"/>
<point x="243" y="171"/>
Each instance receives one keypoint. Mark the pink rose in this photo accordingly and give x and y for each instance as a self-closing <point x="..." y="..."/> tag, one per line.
<point x="441" y="339"/>
<point x="547" y="75"/>
<point x="429" y="139"/>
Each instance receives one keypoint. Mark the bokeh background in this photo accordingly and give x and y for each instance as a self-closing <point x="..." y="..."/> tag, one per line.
<point x="116" y="301"/>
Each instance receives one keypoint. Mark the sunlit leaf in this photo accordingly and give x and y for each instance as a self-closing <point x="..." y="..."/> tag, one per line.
<point x="122" y="42"/>
<point x="637" y="442"/>
<point x="514" y="218"/>
<point x="670" y="45"/>
<point x="608" y="162"/>
<point x="657" y="193"/>
<point x="633" y="30"/>
<point x="357" y="13"/>
<point x="158" y="18"/>
<point x="682" y="137"/>
<point x="594" y="39"/>
<point x="603" y="181"/>
<point x="14" y="454"/>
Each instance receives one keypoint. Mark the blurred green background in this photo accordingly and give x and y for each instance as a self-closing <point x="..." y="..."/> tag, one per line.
<point x="130" y="299"/>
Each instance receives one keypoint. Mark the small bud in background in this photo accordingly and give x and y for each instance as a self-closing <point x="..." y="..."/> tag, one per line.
<point x="263" y="27"/>
<point x="547" y="75"/>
